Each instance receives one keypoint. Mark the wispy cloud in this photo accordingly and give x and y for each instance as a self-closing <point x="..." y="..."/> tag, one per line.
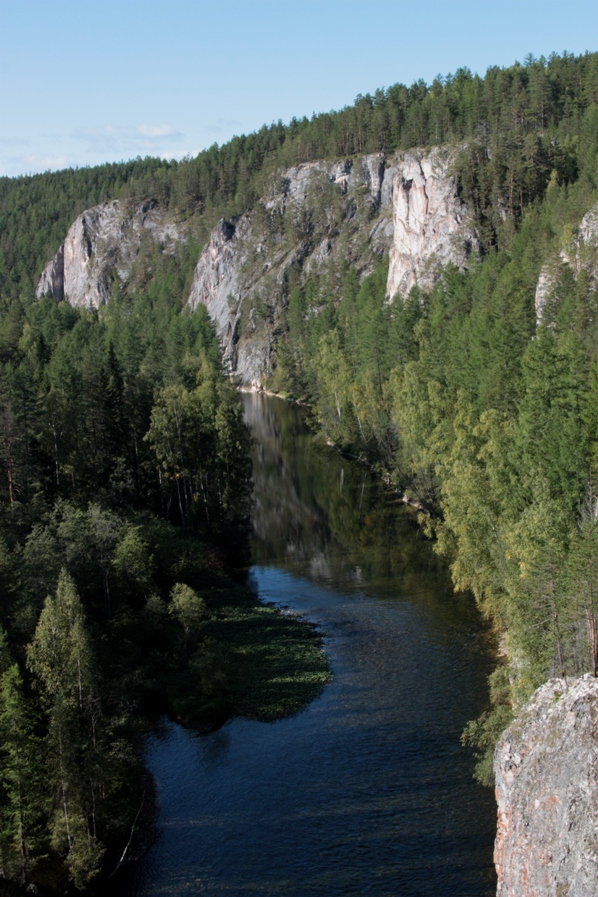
<point x="224" y="126"/>
<point x="13" y="164"/>
<point x="10" y="142"/>
<point x="149" y="138"/>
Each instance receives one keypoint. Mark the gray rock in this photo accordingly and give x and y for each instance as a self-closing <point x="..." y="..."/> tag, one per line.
<point x="581" y="255"/>
<point x="100" y="241"/>
<point x="217" y="278"/>
<point x="386" y="189"/>
<point x="369" y="173"/>
<point x="407" y="206"/>
<point x="546" y="769"/>
<point x="432" y="227"/>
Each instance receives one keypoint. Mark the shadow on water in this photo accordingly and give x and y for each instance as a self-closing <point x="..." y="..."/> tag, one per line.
<point x="367" y="791"/>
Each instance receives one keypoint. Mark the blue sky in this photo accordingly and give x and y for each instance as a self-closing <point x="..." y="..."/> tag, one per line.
<point x="83" y="83"/>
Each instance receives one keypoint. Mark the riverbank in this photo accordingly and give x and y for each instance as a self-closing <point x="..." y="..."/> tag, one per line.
<point x="384" y="474"/>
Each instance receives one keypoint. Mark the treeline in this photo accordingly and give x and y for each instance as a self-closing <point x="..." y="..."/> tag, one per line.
<point x="520" y="124"/>
<point x="484" y="419"/>
<point x="124" y="498"/>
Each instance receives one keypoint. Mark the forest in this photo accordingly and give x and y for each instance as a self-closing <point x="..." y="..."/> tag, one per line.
<point x="124" y="461"/>
<point x="124" y="503"/>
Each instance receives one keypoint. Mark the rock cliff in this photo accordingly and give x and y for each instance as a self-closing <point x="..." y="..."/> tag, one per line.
<point x="546" y="768"/>
<point x="100" y="241"/>
<point x="349" y="212"/>
<point x="316" y="218"/>
<point x="580" y="255"/>
<point x="241" y="273"/>
<point x="216" y="282"/>
<point x="431" y="224"/>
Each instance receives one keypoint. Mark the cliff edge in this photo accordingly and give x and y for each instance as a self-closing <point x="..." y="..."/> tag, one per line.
<point x="546" y="766"/>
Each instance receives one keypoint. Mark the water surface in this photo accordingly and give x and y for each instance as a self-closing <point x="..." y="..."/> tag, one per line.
<point x="368" y="790"/>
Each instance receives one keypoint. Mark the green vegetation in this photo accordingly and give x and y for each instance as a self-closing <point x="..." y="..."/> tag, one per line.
<point x="485" y="421"/>
<point x="275" y="662"/>
<point x="124" y="473"/>
<point x="520" y="124"/>
<point x="481" y="416"/>
<point x="124" y="500"/>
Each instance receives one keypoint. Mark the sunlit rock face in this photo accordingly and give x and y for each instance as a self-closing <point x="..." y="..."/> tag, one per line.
<point x="101" y="241"/>
<point x="243" y="263"/>
<point x="314" y="218"/>
<point x="580" y="255"/>
<point x="546" y="769"/>
<point x="217" y="279"/>
<point x="432" y="227"/>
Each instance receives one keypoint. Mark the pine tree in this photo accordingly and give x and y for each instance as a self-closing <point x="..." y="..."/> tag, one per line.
<point x="23" y="797"/>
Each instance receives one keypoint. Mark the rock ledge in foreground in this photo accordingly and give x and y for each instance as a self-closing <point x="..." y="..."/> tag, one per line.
<point x="546" y="766"/>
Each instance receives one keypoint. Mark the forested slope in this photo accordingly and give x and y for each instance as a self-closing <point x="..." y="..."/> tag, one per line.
<point x="124" y="502"/>
<point x="124" y="477"/>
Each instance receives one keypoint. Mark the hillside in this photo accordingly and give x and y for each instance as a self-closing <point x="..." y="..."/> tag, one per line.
<point x="419" y="267"/>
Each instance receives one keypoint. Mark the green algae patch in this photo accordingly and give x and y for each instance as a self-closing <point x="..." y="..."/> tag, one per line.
<point x="275" y="663"/>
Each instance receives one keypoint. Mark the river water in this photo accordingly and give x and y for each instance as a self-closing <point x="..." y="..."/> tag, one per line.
<point x="367" y="791"/>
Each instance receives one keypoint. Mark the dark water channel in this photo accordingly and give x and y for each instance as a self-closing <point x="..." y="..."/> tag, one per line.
<point x="368" y="791"/>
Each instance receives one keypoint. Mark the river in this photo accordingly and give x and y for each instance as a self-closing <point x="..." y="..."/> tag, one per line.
<point x="367" y="791"/>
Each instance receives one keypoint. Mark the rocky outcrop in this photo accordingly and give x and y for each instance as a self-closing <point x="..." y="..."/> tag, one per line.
<point x="217" y="278"/>
<point x="295" y="184"/>
<point x="317" y="217"/>
<point x="101" y="241"/>
<point x="432" y="227"/>
<point x="244" y="267"/>
<point x="581" y="255"/>
<point x="546" y="769"/>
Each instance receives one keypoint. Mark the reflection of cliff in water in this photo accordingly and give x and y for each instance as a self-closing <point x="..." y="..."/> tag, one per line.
<point x="288" y="523"/>
<point x="324" y="515"/>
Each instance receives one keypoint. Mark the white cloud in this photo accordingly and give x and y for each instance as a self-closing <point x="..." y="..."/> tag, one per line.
<point x="224" y="126"/>
<point x="30" y="163"/>
<point x="148" y="138"/>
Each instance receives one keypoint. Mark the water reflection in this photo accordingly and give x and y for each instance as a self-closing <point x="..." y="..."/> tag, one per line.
<point x="367" y="791"/>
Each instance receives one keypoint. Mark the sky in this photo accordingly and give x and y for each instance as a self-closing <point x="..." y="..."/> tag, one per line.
<point x="83" y="83"/>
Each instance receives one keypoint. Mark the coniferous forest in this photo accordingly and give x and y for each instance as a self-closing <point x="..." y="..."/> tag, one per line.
<point x="124" y="461"/>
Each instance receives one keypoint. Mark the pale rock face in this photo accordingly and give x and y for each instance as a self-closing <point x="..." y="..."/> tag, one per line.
<point x="217" y="282"/>
<point x="583" y="256"/>
<point x="588" y="229"/>
<point x="99" y="241"/>
<point x="296" y="182"/>
<point x="373" y="175"/>
<point x="222" y="281"/>
<point x="431" y="224"/>
<point x="546" y="769"/>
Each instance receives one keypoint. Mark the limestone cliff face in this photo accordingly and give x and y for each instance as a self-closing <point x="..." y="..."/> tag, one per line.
<point x="241" y="271"/>
<point x="101" y="240"/>
<point x="316" y="217"/>
<point x="217" y="278"/>
<point x="431" y="224"/>
<point x="581" y="255"/>
<point x="546" y="768"/>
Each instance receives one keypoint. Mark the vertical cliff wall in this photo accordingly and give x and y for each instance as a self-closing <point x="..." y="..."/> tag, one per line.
<point x="318" y="217"/>
<point x="546" y="768"/>
<point x="100" y="241"/>
<point x="432" y="227"/>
